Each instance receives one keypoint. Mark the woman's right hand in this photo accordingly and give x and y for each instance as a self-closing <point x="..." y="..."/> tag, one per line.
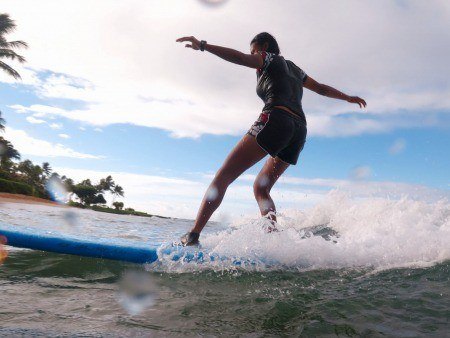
<point x="358" y="100"/>
<point x="195" y="44"/>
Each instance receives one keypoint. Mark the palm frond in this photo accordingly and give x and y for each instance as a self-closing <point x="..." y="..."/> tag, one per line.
<point x="12" y="44"/>
<point x="10" y="70"/>
<point x="7" y="25"/>
<point x="10" y="54"/>
<point x="2" y="122"/>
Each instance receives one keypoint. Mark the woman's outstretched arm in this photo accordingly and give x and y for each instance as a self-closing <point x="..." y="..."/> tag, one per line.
<point x="228" y="54"/>
<point x="325" y="90"/>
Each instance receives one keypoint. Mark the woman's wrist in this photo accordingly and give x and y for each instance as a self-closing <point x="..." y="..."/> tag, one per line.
<point x="203" y="45"/>
<point x="345" y="97"/>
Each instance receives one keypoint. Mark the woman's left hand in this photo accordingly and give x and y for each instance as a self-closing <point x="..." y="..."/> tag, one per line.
<point x="195" y="44"/>
<point x="358" y="100"/>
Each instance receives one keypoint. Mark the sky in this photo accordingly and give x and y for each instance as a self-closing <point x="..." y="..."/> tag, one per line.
<point x="107" y="90"/>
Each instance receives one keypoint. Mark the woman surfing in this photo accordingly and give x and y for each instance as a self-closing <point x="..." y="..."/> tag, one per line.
<point x="280" y="131"/>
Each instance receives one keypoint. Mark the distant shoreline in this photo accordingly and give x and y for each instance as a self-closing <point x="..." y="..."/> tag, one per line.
<point x="25" y="199"/>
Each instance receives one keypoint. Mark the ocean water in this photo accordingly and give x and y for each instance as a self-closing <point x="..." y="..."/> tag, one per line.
<point x="347" y="267"/>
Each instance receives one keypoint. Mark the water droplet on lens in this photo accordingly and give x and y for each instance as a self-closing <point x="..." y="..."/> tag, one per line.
<point x="213" y="3"/>
<point x="137" y="292"/>
<point x="212" y="193"/>
<point x="360" y="173"/>
<point x="3" y="249"/>
<point x="71" y="218"/>
<point x="264" y="181"/>
<point x="57" y="190"/>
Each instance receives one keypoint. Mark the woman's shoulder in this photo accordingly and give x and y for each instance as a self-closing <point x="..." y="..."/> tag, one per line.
<point x="268" y="59"/>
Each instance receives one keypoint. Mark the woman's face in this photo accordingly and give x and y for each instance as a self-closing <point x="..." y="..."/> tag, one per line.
<point x="255" y="48"/>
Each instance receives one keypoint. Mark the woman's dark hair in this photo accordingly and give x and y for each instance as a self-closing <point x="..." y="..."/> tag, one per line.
<point x="264" y="37"/>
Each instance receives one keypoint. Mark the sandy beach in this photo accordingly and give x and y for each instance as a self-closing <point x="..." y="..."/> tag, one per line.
<point x="24" y="199"/>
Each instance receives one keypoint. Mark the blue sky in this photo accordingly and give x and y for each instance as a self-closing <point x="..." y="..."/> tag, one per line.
<point x="115" y="94"/>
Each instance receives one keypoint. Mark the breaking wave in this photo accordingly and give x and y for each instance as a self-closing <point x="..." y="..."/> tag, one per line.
<point x="340" y="232"/>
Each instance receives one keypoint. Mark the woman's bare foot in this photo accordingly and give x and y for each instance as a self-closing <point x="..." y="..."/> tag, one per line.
<point x="190" y="239"/>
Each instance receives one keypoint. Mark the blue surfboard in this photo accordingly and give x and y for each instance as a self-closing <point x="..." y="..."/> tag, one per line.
<point x="126" y="250"/>
<point x="110" y="248"/>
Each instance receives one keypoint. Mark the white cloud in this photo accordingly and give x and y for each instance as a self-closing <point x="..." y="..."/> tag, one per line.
<point x="64" y="136"/>
<point x="180" y="197"/>
<point x="190" y="93"/>
<point x="56" y="125"/>
<point x="28" y="145"/>
<point x="316" y="182"/>
<point x="34" y="120"/>
<point x="19" y="109"/>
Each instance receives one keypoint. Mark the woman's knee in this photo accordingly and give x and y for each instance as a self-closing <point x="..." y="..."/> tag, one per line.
<point x="261" y="187"/>
<point x="218" y="187"/>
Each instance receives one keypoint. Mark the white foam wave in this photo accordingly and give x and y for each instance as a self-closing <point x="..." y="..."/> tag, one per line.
<point x="372" y="232"/>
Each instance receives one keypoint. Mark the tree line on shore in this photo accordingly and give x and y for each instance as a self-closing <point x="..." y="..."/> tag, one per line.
<point x="27" y="174"/>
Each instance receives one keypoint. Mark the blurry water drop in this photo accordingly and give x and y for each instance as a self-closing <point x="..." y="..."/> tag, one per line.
<point x="213" y="3"/>
<point x="360" y="173"/>
<point x="57" y="190"/>
<point x="263" y="181"/>
<point x="211" y="193"/>
<point x="137" y="292"/>
<point x="3" y="249"/>
<point x="71" y="218"/>
<point x="397" y="147"/>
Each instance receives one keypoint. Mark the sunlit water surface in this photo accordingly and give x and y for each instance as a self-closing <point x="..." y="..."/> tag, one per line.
<point x="371" y="267"/>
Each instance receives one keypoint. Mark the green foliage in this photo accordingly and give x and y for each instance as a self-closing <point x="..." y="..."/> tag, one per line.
<point x="13" y="187"/>
<point x="68" y="182"/>
<point x="106" y="184"/>
<point x="127" y="211"/>
<point x="118" y="205"/>
<point x="7" y="154"/>
<point x="117" y="191"/>
<point x="47" y="169"/>
<point x="32" y="174"/>
<point x="2" y="122"/>
<point x="88" y="194"/>
<point x="5" y="175"/>
<point x="76" y="204"/>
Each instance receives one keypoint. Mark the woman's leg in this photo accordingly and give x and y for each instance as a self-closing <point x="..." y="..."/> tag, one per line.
<point x="244" y="155"/>
<point x="269" y="174"/>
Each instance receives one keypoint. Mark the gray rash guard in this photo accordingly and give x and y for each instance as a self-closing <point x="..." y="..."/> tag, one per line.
<point x="280" y="83"/>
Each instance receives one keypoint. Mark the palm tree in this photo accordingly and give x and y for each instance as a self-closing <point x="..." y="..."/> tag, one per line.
<point x="7" y="154"/>
<point x="117" y="191"/>
<point x="6" y="47"/>
<point x="106" y="184"/>
<point x="46" y="169"/>
<point x="32" y="173"/>
<point x="2" y="122"/>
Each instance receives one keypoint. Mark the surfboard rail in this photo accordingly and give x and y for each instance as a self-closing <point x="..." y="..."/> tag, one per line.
<point x="121" y="250"/>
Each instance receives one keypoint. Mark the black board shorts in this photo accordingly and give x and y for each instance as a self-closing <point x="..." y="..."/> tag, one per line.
<point x="280" y="134"/>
